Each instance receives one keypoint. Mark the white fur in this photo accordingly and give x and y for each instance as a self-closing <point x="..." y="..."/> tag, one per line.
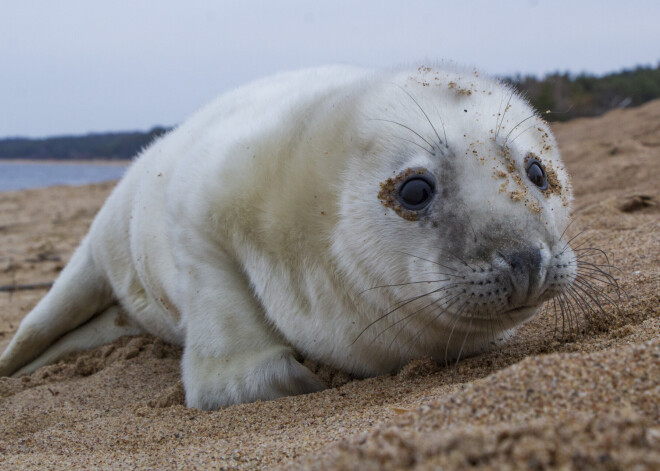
<point x="254" y="230"/>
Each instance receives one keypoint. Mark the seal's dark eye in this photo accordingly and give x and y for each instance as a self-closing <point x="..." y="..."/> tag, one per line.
<point x="416" y="192"/>
<point x="536" y="174"/>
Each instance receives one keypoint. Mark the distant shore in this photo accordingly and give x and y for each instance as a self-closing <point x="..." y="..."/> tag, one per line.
<point x="22" y="174"/>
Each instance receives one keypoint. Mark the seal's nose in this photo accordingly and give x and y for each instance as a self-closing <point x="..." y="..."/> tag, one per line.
<point x="525" y="272"/>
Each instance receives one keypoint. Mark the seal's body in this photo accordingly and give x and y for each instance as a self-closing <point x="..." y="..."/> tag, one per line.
<point x="358" y="218"/>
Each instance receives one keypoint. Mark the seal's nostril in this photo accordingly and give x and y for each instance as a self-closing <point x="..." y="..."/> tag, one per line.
<point x="528" y="259"/>
<point x="524" y="272"/>
<point x="515" y="261"/>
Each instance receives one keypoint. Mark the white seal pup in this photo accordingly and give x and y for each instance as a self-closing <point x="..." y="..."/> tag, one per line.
<point x="354" y="217"/>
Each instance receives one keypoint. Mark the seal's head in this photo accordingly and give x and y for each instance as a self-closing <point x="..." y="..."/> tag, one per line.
<point x="465" y="199"/>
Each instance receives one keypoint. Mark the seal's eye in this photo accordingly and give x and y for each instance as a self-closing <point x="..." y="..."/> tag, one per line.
<point x="536" y="174"/>
<point x="416" y="192"/>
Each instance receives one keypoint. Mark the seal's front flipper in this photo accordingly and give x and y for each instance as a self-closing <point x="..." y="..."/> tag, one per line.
<point x="104" y="328"/>
<point x="232" y="354"/>
<point x="212" y="382"/>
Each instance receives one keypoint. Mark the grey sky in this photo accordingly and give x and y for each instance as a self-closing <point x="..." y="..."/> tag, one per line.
<point x="75" y="66"/>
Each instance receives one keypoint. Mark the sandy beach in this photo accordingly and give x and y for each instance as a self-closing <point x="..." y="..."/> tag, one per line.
<point x="588" y="399"/>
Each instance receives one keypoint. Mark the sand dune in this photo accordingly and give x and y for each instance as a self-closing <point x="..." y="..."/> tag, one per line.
<point x="585" y="401"/>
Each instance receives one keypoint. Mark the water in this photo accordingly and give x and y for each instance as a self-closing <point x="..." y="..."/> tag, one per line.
<point x="20" y="176"/>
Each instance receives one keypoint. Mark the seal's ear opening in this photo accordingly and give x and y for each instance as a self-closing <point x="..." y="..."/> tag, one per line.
<point x="416" y="191"/>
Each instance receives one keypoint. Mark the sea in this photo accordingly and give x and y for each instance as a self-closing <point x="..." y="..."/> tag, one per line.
<point x="24" y="175"/>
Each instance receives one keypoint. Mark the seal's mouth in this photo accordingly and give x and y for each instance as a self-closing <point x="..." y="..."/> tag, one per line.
<point x="522" y="308"/>
<point x="507" y="319"/>
<point x="521" y="314"/>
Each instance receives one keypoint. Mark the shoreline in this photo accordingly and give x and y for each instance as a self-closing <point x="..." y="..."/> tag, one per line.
<point x="24" y="175"/>
<point x="60" y="186"/>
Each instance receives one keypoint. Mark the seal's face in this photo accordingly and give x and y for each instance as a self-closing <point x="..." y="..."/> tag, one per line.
<point x="468" y="198"/>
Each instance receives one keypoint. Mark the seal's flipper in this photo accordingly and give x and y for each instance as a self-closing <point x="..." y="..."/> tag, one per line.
<point x="232" y="354"/>
<point x="80" y="292"/>
<point x="104" y="328"/>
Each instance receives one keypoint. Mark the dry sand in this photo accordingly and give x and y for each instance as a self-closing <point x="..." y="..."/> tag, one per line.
<point x="587" y="402"/>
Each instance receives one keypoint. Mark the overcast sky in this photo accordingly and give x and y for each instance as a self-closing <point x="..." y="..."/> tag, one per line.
<point x="78" y="66"/>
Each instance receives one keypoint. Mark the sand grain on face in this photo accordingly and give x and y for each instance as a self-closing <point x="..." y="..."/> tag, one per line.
<point x="589" y="401"/>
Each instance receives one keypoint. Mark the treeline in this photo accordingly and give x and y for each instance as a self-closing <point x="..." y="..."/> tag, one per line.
<point x="587" y="95"/>
<point x="107" y="146"/>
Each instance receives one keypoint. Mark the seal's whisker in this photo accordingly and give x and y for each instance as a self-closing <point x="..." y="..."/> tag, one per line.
<point x="401" y="304"/>
<point x="406" y="127"/>
<point x="416" y="144"/>
<point x="410" y="316"/>
<point x="566" y="228"/>
<point x="521" y="133"/>
<point x="506" y="139"/>
<point x="584" y="246"/>
<point x="407" y="301"/>
<point x="582" y="303"/>
<point x="572" y="300"/>
<point x="408" y="283"/>
<point x="589" y="289"/>
<point x="506" y="108"/>
<point x="572" y="307"/>
<point x="460" y="351"/>
<point x="581" y="245"/>
<point x="594" y="249"/>
<point x="600" y="274"/>
<point x="601" y="268"/>
<point x="554" y="309"/>
<point x="593" y="275"/>
<point x="592" y="259"/>
<point x="451" y="333"/>
<point x="456" y="257"/>
<point x="568" y="242"/>
<point x="566" y="324"/>
<point x="558" y="312"/>
<point x="426" y="260"/>
<point x="587" y="251"/>
<point x="486" y="336"/>
<point x="574" y="314"/>
<point x="592" y="310"/>
<point x="444" y="130"/>
<point x="593" y="252"/>
<point x="586" y="293"/>
<point x="445" y="299"/>
<point x="441" y="273"/>
<point x="435" y="318"/>
<point x="587" y="308"/>
<point x="493" y="336"/>
<point x="467" y="213"/>
<point x="575" y="299"/>
<point x="423" y="112"/>
<point x="497" y="118"/>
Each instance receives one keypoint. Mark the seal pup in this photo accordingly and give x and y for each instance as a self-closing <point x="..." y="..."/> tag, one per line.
<point x="357" y="218"/>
